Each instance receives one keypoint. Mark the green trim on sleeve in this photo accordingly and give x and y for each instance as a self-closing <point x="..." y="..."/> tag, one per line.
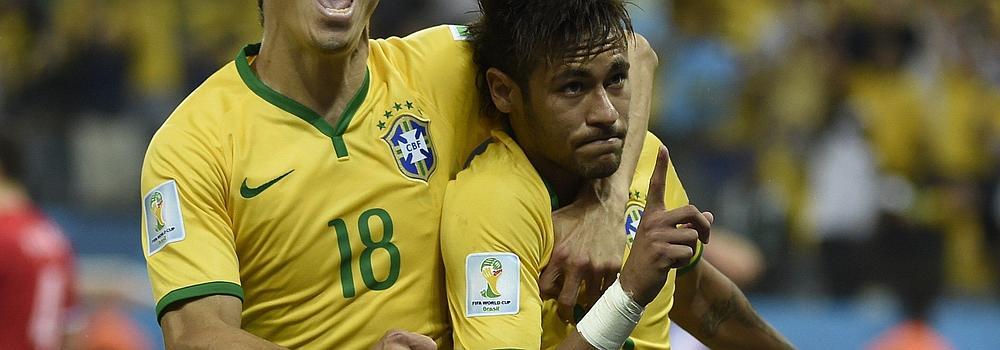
<point x="335" y="133"/>
<point x="699" y="251"/>
<point x="198" y="290"/>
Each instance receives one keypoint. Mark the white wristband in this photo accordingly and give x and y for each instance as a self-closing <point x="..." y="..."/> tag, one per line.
<point x="608" y="324"/>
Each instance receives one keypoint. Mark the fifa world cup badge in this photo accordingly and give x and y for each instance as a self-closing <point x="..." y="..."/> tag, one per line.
<point x="492" y="284"/>
<point x="162" y="216"/>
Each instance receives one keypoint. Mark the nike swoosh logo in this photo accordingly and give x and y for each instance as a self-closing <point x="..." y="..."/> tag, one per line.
<point x="248" y="192"/>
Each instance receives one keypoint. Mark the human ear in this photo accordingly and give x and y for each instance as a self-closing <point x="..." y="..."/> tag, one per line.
<point x="503" y="90"/>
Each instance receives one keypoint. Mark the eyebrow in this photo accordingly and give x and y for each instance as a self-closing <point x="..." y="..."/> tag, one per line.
<point x="574" y="72"/>
<point x="620" y="64"/>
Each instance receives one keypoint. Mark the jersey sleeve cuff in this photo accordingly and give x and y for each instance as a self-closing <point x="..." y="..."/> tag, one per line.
<point x="196" y="291"/>
<point x="699" y="250"/>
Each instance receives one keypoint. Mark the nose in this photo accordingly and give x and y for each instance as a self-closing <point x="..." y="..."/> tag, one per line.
<point x="603" y="113"/>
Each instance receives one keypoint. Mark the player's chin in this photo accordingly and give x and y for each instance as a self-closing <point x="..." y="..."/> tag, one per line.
<point x="598" y="166"/>
<point x="333" y="42"/>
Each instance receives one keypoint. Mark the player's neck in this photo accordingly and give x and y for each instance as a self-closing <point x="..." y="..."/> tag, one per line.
<point x="324" y="83"/>
<point x="565" y="184"/>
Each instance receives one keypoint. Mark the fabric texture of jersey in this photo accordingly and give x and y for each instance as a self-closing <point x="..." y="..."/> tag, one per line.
<point x="36" y="280"/>
<point x="482" y="216"/>
<point x="326" y="232"/>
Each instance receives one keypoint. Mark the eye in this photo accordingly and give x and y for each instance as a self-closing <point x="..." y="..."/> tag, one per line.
<point x="617" y="80"/>
<point x="572" y="88"/>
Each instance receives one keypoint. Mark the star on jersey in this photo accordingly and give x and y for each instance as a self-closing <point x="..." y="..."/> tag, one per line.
<point x="409" y="141"/>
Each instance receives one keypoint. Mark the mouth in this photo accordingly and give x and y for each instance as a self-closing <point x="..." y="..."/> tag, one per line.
<point x="339" y="10"/>
<point x="603" y="143"/>
<point x="604" y="138"/>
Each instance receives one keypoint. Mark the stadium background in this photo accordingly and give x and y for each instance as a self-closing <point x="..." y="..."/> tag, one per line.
<point x="850" y="148"/>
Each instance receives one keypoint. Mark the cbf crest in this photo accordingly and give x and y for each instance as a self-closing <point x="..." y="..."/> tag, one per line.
<point x="633" y="215"/>
<point x="409" y="139"/>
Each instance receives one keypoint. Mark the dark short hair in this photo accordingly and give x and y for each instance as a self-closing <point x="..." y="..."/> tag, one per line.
<point x="11" y="161"/>
<point x="515" y="36"/>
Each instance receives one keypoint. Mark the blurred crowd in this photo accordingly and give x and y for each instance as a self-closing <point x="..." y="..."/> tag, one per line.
<point x="855" y="143"/>
<point x="857" y="140"/>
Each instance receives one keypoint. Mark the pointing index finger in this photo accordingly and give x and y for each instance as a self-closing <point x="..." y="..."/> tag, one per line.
<point x="657" y="182"/>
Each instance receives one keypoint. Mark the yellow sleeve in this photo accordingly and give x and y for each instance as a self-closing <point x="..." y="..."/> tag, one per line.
<point x="438" y="61"/>
<point x="509" y="223"/>
<point x="186" y="234"/>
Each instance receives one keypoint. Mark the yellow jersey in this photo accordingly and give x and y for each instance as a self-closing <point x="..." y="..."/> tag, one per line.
<point x="497" y="236"/>
<point x="328" y="233"/>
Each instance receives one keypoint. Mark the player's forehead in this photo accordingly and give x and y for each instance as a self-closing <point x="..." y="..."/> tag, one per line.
<point x="592" y="62"/>
<point x="589" y="53"/>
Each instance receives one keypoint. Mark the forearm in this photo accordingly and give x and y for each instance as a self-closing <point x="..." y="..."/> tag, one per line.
<point x="643" y="66"/>
<point x="714" y="310"/>
<point x="211" y="322"/>
<point x="575" y="341"/>
<point x="219" y="338"/>
<point x="641" y="73"/>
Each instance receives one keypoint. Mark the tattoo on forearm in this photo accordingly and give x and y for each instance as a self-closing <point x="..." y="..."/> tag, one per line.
<point x="732" y="308"/>
<point x="737" y="308"/>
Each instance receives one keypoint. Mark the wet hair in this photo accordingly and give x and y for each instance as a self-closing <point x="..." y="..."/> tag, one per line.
<point x="517" y="36"/>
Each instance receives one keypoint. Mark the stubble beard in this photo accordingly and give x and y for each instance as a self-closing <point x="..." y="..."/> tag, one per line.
<point x="599" y="169"/>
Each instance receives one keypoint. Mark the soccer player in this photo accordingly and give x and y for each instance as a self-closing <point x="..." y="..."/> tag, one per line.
<point x="36" y="265"/>
<point x="294" y="198"/>
<point x="565" y="97"/>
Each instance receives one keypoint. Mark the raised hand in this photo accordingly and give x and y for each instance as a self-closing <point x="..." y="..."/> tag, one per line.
<point x="664" y="240"/>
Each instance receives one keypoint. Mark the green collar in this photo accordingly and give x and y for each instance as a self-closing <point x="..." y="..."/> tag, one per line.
<point x="553" y="198"/>
<point x="335" y="133"/>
